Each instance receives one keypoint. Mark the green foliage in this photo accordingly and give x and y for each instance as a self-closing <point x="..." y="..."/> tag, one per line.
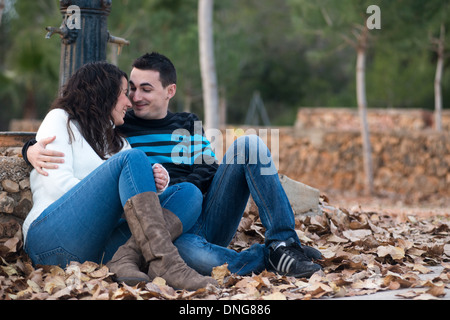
<point x="30" y="63"/>
<point x="400" y="67"/>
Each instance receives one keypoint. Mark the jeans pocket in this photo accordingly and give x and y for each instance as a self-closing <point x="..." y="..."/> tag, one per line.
<point x="58" y="256"/>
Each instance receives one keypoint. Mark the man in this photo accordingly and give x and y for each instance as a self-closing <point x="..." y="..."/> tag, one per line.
<point x="164" y="135"/>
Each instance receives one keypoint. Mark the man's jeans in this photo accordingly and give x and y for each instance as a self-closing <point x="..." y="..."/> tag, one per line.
<point x="86" y="224"/>
<point x="247" y="168"/>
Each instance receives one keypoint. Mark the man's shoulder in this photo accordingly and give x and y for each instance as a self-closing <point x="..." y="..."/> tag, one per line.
<point x="188" y="116"/>
<point x="184" y="120"/>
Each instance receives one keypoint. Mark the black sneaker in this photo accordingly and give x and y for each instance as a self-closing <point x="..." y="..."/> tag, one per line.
<point x="289" y="259"/>
<point x="311" y="253"/>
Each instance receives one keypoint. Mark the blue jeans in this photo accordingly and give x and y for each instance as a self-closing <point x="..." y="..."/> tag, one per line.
<point x="86" y="223"/>
<point x="247" y="168"/>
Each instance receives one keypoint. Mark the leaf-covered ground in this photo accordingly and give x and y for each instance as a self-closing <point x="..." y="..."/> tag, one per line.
<point x="364" y="252"/>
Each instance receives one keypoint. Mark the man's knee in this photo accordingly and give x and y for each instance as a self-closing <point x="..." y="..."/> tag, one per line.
<point x="250" y="141"/>
<point x="251" y="149"/>
<point x="245" y="149"/>
<point x="191" y="189"/>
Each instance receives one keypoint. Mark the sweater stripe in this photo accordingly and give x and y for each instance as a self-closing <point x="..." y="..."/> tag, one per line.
<point x="174" y="143"/>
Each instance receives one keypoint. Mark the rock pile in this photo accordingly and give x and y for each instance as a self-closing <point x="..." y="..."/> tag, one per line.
<point x="15" y="193"/>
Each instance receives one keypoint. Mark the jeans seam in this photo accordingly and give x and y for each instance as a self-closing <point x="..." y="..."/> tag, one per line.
<point x="219" y="183"/>
<point x="59" y="251"/>
<point x="200" y="226"/>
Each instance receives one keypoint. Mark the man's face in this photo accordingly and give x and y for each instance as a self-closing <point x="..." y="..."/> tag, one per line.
<point x="149" y="98"/>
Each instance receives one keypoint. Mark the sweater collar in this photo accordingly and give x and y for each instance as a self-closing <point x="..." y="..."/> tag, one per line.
<point x="131" y="117"/>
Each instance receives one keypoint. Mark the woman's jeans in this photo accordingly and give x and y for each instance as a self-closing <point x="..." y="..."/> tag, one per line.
<point x="86" y="223"/>
<point x="247" y="168"/>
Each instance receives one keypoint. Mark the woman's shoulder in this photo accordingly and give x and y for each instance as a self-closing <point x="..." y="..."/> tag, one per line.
<point x="57" y="113"/>
<point x="54" y="123"/>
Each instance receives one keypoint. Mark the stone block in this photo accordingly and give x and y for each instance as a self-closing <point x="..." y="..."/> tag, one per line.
<point x="7" y="203"/>
<point x="303" y="198"/>
<point x="10" y="186"/>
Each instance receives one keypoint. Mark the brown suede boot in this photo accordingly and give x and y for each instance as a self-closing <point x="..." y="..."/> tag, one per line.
<point x="173" y="224"/>
<point x="126" y="263"/>
<point x="148" y="226"/>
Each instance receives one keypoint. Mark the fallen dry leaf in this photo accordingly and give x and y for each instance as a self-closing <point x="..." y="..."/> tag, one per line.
<point x="437" y="291"/>
<point x="421" y="268"/>
<point x="395" y="252"/>
<point x="220" y="272"/>
<point x="356" y="235"/>
<point x="275" y="296"/>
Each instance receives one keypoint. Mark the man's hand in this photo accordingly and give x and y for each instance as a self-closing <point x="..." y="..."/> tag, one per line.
<point x="161" y="176"/>
<point x="42" y="158"/>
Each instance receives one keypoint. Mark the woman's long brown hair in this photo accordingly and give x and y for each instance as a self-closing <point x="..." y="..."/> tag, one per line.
<point x="89" y="97"/>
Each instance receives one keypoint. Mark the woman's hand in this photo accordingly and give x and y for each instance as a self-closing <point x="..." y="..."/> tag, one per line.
<point x="161" y="177"/>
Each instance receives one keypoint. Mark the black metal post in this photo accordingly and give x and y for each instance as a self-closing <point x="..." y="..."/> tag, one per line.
<point x="84" y="34"/>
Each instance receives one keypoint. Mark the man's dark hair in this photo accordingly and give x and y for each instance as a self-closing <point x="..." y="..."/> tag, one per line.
<point x="157" y="62"/>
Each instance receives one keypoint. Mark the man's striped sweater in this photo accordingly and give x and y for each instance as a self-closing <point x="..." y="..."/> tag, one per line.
<point x="178" y="143"/>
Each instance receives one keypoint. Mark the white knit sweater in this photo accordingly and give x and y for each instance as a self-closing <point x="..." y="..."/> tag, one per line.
<point x="79" y="160"/>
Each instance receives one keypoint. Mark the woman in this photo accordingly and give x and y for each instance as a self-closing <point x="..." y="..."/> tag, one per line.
<point x="78" y="207"/>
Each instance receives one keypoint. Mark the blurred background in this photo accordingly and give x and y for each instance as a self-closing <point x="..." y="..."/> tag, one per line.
<point x="293" y="53"/>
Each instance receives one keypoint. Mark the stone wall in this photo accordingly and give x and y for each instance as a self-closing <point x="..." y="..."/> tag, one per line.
<point x="410" y="159"/>
<point x="15" y="193"/>
<point x="378" y="119"/>
<point x="414" y="165"/>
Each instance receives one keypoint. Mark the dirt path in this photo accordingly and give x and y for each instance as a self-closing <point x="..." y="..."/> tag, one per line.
<point x="393" y="206"/>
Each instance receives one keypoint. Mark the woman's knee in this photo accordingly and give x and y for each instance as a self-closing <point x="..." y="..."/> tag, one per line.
<point x="130" y="155"/>
<point x="134" y="154"/>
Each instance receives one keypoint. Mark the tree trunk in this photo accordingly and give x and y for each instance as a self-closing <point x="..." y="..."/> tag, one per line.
<point x="362" y="108"/>
<point x="30" y="106"/>
<point x="207" y="64"/>
<point x="438" y="80"/>
<point x="2" y="7"/>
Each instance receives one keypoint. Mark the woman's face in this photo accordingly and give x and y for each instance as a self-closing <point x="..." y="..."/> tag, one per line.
<point x="122" y="105"/>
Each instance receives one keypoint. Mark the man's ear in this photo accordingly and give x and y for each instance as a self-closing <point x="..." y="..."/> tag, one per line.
<point x="171" y="90"/>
